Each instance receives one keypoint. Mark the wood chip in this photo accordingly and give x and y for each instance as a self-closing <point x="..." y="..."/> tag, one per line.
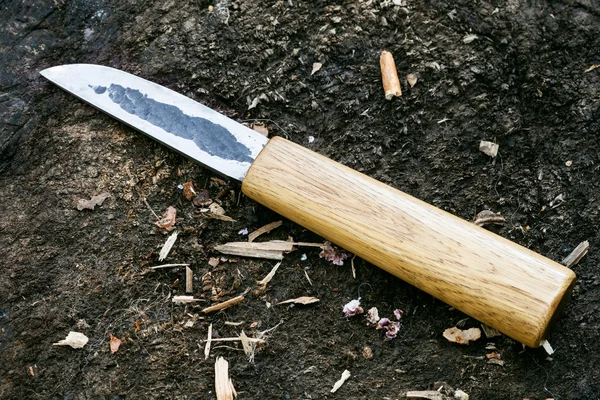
<point x="272" y="250"/>
<point x="577" y="254"/>
<point x="208" y="342"/>
<point x="115" y="343"/>
<point x="213" y="261"/>
<point x="389" y="76"/>
<point x="224" y="305"/>
<point x="593" y="67"/>
<point x="93" y="202"/>
<point x="223" y="386"/>
<point x="267" y="279"/>
<point x="169" y="266"/>
<point x="248" y="346"/>
<point x="425" y="394"/>
<point x="487" y="217"/>
<point x="345" y="376"/>
<point x="459" y="336"/>
<point x="299" y="300"/>
<point x="168" y="220"/>
<point x="215" y="211"/>
<point x="185" y="299"/>
<point x="489" y="148"/>
<point x="189" y="280"/>
<point x="546" y="345"/>
<point x="164" y="252"/>
<point x="265" y="229"/>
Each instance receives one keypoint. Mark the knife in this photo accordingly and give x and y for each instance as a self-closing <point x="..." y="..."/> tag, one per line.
<point x="502" y="284"/>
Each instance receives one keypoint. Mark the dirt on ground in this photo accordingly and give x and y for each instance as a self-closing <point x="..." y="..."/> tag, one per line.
<point x="518" y="73"/>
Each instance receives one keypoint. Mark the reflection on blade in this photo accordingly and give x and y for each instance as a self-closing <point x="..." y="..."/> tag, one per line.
<point x="175" y="120"/>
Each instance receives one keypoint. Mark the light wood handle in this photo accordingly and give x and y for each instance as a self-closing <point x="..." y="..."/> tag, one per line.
<point x="492" y="279"/>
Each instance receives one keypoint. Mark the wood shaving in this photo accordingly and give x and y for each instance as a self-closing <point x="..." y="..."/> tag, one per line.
<point x="267" y="279"/>
<point x="577" y="254"/>
<point x="489" y="148"/>
<point x="345" y="376"/>
<point x="265" y="229"/>
<point x="487" y="217"/>
<point x="93" y="202"/>
<point x="115" y="343"/>
<point x="316" y="67"/>
<point x="164" y="252"/>
<point x="460" y="336"/>
<point x="299" y="300"/>
<point x="223" y="386"/>
<point x="74" y="339"/>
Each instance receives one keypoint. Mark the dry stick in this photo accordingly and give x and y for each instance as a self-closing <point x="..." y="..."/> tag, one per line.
<point x="224" y="305"/>
<point x="208" y="341"/>
<point x="353" y="269"/>
<point x="164" y="252"/>
<point x="265" y="229"/>
<point x="151" y="210"/>
<point x="237" y="339"/>
<point x="270" y="275"/>
<point x="223" y="386"/>
<point x="169" y="266"/>
<point x="389" y="75"/>
<point x="576" y="255"/>
<point x="189" y="280"/>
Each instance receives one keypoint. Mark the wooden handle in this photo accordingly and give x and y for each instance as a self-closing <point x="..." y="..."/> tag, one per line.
<point x="492" y="279"/>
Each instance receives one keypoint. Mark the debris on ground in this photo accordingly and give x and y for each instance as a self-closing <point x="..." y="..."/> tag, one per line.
<point x="316" y="67"/>
<point x="398" y="313"/>
<point x="367" y="352"/>
<point x="593" y="67"/>
<point x="213" y="261"/>
<point x="74" y="339"/>
<point x="345" y="376"/>
<point x="299" y="300"/>
<point x="263" y="283"/>
<point x="223" y="386"/>
<point x="336" y="257"/>
<point x="460" y="336"/>
<point x="215" y="211"/>
<point x="189" y="280"/>
<point x="243" y="232"/>
<point x="164" y="252"/>
<point x="188" y="190"/>
<point x="115" y="343"/>
<point x="93" y="202"/>
<point x="224" y="305"/>
<point x="265" y="229"/>
<point x="202" y="198"/>
<point x="389" y="75"/>
<point x="248" y="346"/>
<point x="208" y="342"/>
<point x="490" y="332"/>
<point x="470" y="38"/>
<point x="168" y="220"/>
<point x="169" y="266"/>
<point x="489" y="148"/>
<point x="260" y="128"/>
<point x="272" y="250"/>
<point x="569" y="163"/>
<point x="373" y="316"/>
<point x="546" y="345"/>
<point x="353" y="308"/>
<point x="391" y="328"/>
<point x="411" y="79"/>
<point x="185" y="299"/>
<point x="487" y="217"/>
<point x="441" y="391"/>
<point x="577" y="254"/>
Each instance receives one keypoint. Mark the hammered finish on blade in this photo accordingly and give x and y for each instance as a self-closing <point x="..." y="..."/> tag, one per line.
<point x="169" y="117"/>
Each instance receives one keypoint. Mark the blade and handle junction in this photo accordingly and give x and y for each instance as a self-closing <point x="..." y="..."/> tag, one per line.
<point x="498" y="282"/>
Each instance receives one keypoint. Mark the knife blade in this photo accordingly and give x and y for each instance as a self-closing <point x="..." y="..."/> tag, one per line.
<point x="496" y="281"/>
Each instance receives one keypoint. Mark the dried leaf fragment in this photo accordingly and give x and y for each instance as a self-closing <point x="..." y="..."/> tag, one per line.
<point x="316" y="67"/>
<point x="299" y="300"/>
<point x="489" y="148"/>
<point x="223" y="386"/>
<point x="115" y="343"/>
<point x="74" y="339"/>
<point x="486" y="217"/>
<point x="93" y="202"/>
<point x="460" y="336"/>
<point x="168" y="220"/>
<point x="188" y="190"/>
<point x="345" y="376"/>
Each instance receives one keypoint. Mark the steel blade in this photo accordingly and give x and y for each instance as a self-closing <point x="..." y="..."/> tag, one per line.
<point x="175" y="120"/>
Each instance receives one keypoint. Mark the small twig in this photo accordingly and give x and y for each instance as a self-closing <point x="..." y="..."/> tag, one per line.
<point x="164" y="252"/>
<point x="208" y="341"/>
<point x="308" y="277"/>
<point x="265" y="229"/>
<point x="151" y="210"/>
<point x="270" y="275"/>
<point x="353" y="269"/>
<point x="189" y="280"/>
<point x="169" y="266"/>
<point x="237" y="339"/>
<point x="224" y="305"/>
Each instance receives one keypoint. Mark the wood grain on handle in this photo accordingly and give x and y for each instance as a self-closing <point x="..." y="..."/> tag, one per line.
<point x="492" y="279"/>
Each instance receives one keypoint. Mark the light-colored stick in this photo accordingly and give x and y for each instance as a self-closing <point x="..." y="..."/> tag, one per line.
<point x="223" y="385"/>
<point x="237" y="339"/>
<point x="338" y="384"/>
<point x="223" y="305"/>
<point x="425" y="394"/>
<point x="185" y="299"/>
<point x="389" y="75"/>
<point x="208" y="342"/>
<point x="272" y="250"/>
<point x="270" y="275"/>
<point x="576" y="255"/>
<point x="169" y="266"/>
<point x="265" y="229"/>
<point x="189" y="280"/>
<point x="164" y="252"/>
